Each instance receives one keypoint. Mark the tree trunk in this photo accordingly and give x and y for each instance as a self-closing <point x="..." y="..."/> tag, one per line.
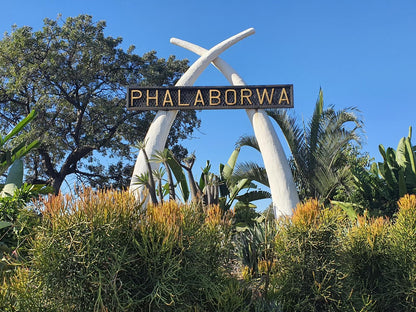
<point x="195" y="191"/>
<point x="57" y="183"/>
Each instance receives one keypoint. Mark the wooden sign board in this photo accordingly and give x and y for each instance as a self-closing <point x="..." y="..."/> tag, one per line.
<point x="179" y="98"/>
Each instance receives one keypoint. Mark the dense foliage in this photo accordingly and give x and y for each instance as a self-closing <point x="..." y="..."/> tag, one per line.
<point x="104" y="252"/>
<point x="75" y="77"/>
<point x="384" y="183"/>
<point x="353" y="248"/>
<point x="323" y="260"/>
<point x="16" y="221"/>
<point x="323" y="150"/>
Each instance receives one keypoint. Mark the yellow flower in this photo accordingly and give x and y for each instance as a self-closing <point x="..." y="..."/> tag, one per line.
<point x="407" y="202"/>
<point x="214" y="215"/>
<point x="306" y="213"/>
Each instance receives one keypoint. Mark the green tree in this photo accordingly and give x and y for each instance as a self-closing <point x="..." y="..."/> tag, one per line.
<point x="76" y="77"/>
<point x="321" y="149"/>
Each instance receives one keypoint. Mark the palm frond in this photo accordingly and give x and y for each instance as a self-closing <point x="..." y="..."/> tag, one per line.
<point x="291" y="131"/>
<point x="253" y="196"/>
<point x="247" y="140"/>
<point x="252" y="172"/>
<point x="314" y="130"/>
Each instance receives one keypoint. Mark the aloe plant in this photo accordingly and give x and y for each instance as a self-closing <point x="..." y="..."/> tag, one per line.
<point x="384" y="183"/>
<point x="11" y="158"/>
<point x="163" y="157"/>
<point x="224" y="189"/>
<point x="187" y="164"/>
<point x="396" y="174"/>
<point x="175" y="166"/>
<point x="232" y="187"/>
<point x="158" y="174"/>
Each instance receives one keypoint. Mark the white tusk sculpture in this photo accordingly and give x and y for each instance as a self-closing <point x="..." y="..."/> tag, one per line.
<point x="282" y="186"/>
<point x="283" y="189"/>
<point x="159" y="129"/>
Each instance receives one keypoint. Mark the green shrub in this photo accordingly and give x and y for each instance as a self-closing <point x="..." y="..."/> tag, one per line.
<point x="326" y="261"/>
<point x="403" y="250"/>
<point x="306" y="275"/>
<point x="20" y="292"/>
<point x="18" y="224"/>
<point x="368" y="265"/>
<point x="103" y="252"/>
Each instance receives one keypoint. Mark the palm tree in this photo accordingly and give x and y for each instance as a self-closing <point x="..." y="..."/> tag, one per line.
<point x="147" y="178"/>
<point x="158" y="174"/>
<point x="144" y="180"/>
<point x="163" y="157"/>
<point x="319" y="149"/>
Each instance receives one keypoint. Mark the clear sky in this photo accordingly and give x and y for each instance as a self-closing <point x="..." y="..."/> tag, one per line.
<point x="362" y="53"/>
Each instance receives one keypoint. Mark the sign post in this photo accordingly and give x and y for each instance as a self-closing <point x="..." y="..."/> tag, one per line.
<point x="180" y="98"/>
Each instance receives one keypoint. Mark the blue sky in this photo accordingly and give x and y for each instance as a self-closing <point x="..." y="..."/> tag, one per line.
<point x="361" y="53"/>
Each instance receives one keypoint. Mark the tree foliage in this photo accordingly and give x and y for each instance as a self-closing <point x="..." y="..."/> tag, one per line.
<point x="322" y="150"/>
<point x="75" y="77"/>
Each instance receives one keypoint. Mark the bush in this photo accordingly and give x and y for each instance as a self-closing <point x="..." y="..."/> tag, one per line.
<point x="104" y="252"/>
<point x="307" y="276"/>
<point x="19" y="292"/>
<point x="378" y="258"/>
<point x="18" y="222"/>
<point x="403" y="250"/>
<point x="367" y="264"/>
<point x="101" y="251"/>
<point x="325" y="262"/>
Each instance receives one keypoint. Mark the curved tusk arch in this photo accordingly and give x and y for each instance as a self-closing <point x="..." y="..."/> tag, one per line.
<point x="159" y="129"/>
<point x="282" y="186"/>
